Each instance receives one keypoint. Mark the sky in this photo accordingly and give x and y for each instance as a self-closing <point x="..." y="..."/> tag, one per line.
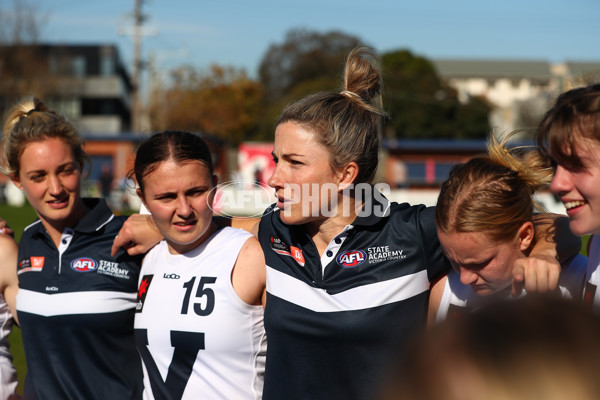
<point x="238" y="33"/>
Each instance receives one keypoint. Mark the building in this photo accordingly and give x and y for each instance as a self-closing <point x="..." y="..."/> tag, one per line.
<point x="87" y="83"/>
<point x="520" y="91"/>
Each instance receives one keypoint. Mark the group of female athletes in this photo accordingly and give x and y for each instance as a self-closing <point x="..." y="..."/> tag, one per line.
<point x="297" y="304"/>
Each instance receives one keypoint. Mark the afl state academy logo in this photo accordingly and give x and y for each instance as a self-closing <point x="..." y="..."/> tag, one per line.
<point x="84" y="264"/>
<point x="351" y="259"/>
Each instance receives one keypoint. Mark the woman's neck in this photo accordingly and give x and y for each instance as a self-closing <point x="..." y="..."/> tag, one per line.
<point x="324" y="230"/>
<point x="55" y="228"/>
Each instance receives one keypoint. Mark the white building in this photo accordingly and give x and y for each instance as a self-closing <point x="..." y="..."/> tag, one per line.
<point x="518" y="91"/>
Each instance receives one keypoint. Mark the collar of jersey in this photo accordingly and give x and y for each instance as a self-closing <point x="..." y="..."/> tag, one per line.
<point x="98" y="216"/>
<point x="372" y="218"/>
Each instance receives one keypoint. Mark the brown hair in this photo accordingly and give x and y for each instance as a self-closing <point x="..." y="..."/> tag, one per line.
<point x="348" y="123"/>
<point x="539" y="347"/>
<point x="177" y="145"/>
<point x="492" y="193"/>
<point x="576" y="112"/>
<point x="29" y="121"/>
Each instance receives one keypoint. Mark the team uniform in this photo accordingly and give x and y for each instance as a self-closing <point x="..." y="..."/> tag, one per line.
<point x="334" y="322"/>
<point x="76" y="306"/>
<point x="197" y="338"/>
<point x="459" y="298"/>
<point x="8" y="373"/>
<point x="591" y="296"/>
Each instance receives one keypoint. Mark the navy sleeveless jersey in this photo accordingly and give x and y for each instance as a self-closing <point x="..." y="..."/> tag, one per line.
<point x="335" y="323"/>
<point x="76" y="307"/>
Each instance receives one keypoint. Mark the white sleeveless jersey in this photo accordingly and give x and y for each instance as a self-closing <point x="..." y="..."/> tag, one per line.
<point x="8" y="373"/>
<point x="457" y="297"/>
<point x="591" y="296"/>
<point x="197" y="338"/>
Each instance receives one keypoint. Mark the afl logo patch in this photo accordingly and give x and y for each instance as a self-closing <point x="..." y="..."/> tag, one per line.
<point x="84" y="264"/>
<point x="351" y="259"/>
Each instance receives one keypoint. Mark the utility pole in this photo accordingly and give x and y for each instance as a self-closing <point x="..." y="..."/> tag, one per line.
<point x="137" y="34"/>
<point x="138" y="19"/>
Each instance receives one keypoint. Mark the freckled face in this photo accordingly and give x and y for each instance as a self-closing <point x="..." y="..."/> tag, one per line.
<point x="49" y="175"/>
<point x="481" y="263"/>
<point x="579" y="188"/>
<point x="301" y="163"/>
<point x="179" y="197"/>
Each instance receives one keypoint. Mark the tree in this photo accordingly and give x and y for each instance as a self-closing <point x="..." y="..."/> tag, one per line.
<point x="306" y="62"/>
<point x="304" y="56"/>
<point x="21" y="71"/>
<point x="222" y="101"/>
<point x="422" y="106"/>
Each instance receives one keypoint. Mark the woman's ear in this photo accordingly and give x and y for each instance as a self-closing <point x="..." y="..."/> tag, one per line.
<point x="526" y="235"/>
<point x="15" y="179"/>
<point x="347" y="175"/>
<point x="140" y="194"/>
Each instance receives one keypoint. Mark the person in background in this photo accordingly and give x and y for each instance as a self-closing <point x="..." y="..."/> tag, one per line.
<point x="75" y="302"/>
<point x="569" y="134"/>
<point x="485" y="221"/>
<point x="202" y="288"/>
<point x="348" y="271"/>
<point x="106" y="180"/>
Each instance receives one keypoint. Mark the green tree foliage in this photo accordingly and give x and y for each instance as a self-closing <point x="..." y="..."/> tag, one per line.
<point x="21" y="70"/>
<point x="302" y="57"/>
<point x="422" y="107"/>
<point x="305" y="62"/>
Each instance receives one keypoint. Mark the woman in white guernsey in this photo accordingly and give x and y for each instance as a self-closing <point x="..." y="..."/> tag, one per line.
<point x="199" y="318"/>
<point x="485" y="222"/>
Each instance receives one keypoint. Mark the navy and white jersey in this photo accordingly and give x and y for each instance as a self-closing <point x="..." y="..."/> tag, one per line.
<point x="76" y="307"/>
<point x="458" y="298"/>
<point x="334" y="322"/>
<point x="197" y="338"/>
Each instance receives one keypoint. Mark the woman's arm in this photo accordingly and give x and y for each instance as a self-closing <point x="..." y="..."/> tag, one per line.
<point x="554" y="243"/>
<point x="9" y="283"/>
<point x="139" y="233"/>
<point x="435" y="298"/>
<point x="249" y="276"/>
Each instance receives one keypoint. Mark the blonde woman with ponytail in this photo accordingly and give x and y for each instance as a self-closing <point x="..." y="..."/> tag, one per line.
<point x="486" y="223"/>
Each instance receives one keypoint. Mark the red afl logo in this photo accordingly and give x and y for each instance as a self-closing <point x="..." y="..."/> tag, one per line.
<point x="84" y="264"/>
<point x="352" y="258"/>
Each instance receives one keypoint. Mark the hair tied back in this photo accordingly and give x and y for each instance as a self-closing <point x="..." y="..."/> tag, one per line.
<point x="350" y="94"/>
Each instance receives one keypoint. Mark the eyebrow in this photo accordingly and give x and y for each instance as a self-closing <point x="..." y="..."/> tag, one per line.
<point x="288" y="155"/>
<point x="67" y="164"/>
